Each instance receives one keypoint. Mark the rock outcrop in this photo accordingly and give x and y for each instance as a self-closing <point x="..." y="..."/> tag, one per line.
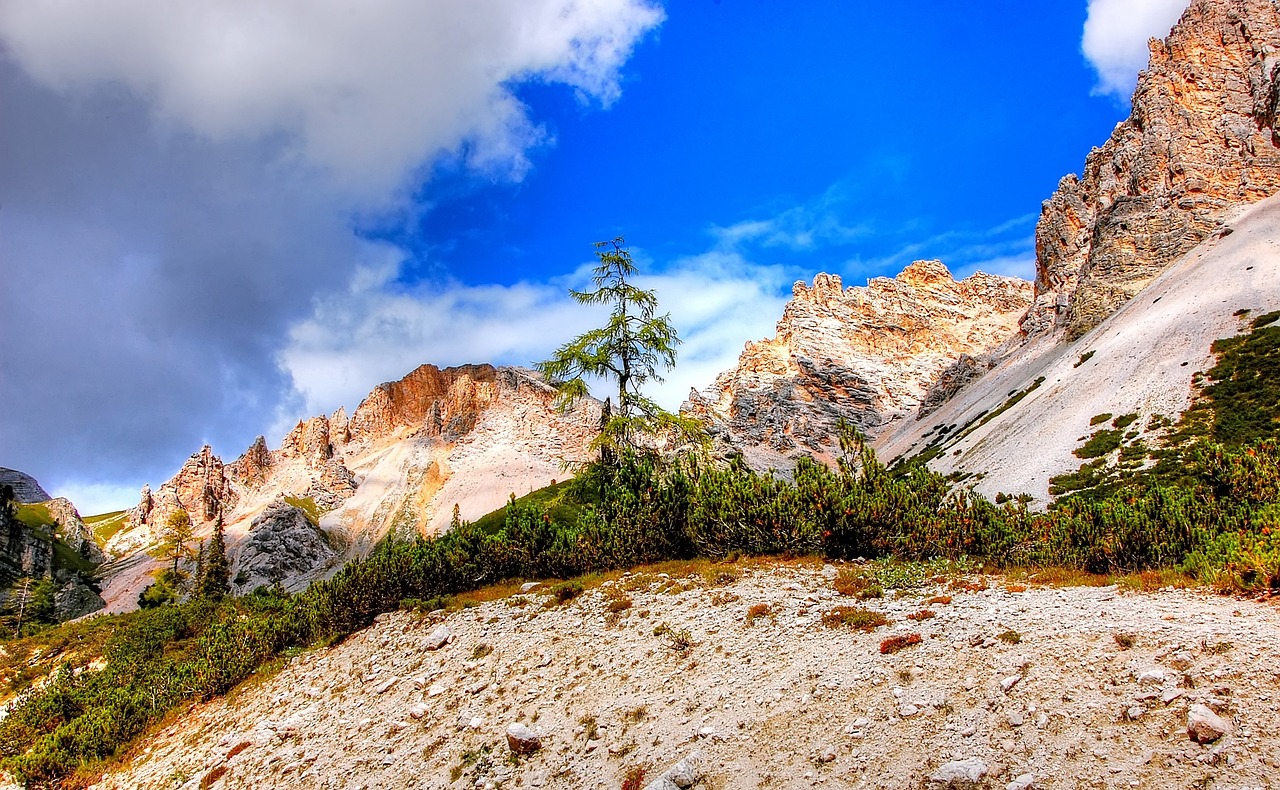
<point x="1201" y="140"/>
<point x="282" y="547"/>
<point x="870" y="356"/>
<point x="25" y="488"/>
<point x="414" y="448"/>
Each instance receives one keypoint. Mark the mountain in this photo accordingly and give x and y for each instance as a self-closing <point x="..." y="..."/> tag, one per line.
<point x="25" y="488"/>
<point x="1142" y="262"/>
<point x="872" y="356"/>
<point x="414" y="448"/>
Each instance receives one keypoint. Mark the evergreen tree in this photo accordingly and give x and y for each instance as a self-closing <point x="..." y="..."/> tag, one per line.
<point x="631" y="349"/>
<point x="217" y="571"/>
<point x="174" y="539"/>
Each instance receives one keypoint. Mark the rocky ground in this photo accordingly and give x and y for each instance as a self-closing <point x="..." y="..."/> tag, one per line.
<point x="1088" y="687"/>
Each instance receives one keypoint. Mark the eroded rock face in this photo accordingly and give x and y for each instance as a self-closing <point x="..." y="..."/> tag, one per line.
<point x="72" y="529"/>
<point x="867" y="355"/>
<point x="282" y="546"/>
<point x="443" y="402"/>
<point x="469" y="435"/>
<point x="1201" y="140"/>
<point x="201" y="488"/>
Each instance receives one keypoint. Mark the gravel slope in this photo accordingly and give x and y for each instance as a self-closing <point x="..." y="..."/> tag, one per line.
<point x="783" y="702"/>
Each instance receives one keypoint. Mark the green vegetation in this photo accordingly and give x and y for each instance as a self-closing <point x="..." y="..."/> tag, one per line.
<point x="630" y="350"/>
<point x="1099" y="444"/>
<point x="1098" y="419"/>
<point x="106" y="525"/>
<point x="36" y="516"/>
<point x="1085" y="357"/>
<point x="308" y="507"/>
<point x="1205" y="502"/>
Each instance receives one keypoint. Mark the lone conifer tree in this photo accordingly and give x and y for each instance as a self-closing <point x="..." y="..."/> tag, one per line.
<point x="216" y="581"/>
<point x="631" y="350"/>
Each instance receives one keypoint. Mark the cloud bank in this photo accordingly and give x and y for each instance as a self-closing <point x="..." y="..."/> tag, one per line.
<point x="182" y="178"/>
<point x="1115" y="39"/>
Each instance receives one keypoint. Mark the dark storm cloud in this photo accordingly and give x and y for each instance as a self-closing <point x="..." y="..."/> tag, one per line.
<point x="146" y="287"/>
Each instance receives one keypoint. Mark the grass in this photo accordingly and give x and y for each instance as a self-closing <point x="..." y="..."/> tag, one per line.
<point x="854" y="617"/>
<point x="308" y="507"/>
<point x="1098" y="419"/>
<point x="759" y="611"/>
<point x="36" y="516"/>
<point x="1009" y="637"/>
<point x="106" y="526"/>
<point x="556" y="498"/>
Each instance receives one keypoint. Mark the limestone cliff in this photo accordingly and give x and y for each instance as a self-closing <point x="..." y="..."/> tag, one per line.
<point x="408" y="453"/>
<point x="1201" y="139"/>
<point x="25" y="488"/>
<point x="870" y="356"/>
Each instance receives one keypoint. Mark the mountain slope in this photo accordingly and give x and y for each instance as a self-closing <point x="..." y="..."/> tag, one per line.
<point x="1140" y="360"/>
<point x="413" y="449"/>
<point x="778" y="700"/>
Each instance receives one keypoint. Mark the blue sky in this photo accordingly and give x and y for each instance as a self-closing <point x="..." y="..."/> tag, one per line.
<point x="217" y="219"/>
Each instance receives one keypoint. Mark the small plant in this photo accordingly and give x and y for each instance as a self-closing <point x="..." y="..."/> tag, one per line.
<point x="1098" y="419"/>
<point x="590" y="726"/>
<point x="758" y="611"/>
<point x="856" y="585"/>
<point x="855" y="617"/>
<point x="1216" y="648"/>
<point x="1010" y="637"/>
<point x="923" y="614"/>
<point x="636" y="715"/>
<point x="895" y="643"/>
<point x="1124" y="639"/>
<point x="633" y="779"/>
<point x="618" y="605"/>
<point x="1085" y="357"/>
<point x="1124" y="421"/>
<point x="1015" y="588"/>
<point x="564" y="592"/>
<point x="722" y="597"/>
<point x="480" y="651"/>
<point x="938" y="599"/>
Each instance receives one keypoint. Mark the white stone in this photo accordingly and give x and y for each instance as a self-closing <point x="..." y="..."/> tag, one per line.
<point x="960" y="773"/>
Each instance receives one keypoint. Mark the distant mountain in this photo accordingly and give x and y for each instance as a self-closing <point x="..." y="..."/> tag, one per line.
<point x="872" y="356"/>
<point x="413" y="449"/>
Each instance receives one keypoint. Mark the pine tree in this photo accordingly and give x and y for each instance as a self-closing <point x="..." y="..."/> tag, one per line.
<point x="217" y="571"/>
<point x="197" y="581"/>
<point x="631" y="349"/>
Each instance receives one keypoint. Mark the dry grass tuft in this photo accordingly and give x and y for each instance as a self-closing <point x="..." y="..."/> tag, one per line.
<point x="854" y="617"/>
<point x="895" y="643"/>
<point x="923" y="614"/>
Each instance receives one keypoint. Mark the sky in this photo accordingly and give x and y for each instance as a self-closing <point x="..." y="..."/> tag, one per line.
<point x="217" y="219"/>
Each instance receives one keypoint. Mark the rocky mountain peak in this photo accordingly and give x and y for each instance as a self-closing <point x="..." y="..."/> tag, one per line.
<point x="1200" y="141"/>
<point x="868" y="355"/>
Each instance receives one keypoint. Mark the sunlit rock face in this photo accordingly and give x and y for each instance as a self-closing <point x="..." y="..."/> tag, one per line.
<point x="468" y="436"/>
<point x="867" y="355"/>
<point x="1201" y="139"/>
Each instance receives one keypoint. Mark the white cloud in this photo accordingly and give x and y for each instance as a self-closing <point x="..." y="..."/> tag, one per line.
<point x="816" y="223"/>
<point x="183" y="176"/>
<point x="374" y="331"/>
<point x="92" y="499"/>
<point x="1116" y="34"/>
<point x="369" y="91"/>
